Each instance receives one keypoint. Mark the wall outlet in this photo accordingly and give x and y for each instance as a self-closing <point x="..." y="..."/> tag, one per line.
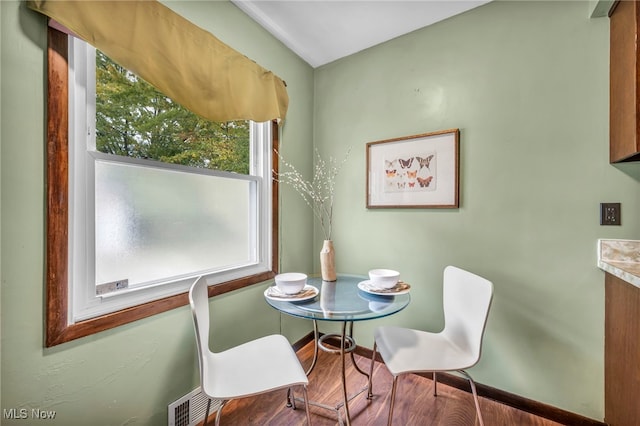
<point x="610" y="214"/>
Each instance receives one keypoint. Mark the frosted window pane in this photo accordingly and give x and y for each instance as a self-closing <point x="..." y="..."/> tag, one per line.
<point x="152" y="224"/>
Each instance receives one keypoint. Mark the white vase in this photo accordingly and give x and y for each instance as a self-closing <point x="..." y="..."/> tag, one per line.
<point x="327" y="261"/>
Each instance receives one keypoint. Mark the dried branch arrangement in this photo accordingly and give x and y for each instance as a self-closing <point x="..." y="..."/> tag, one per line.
<point x="318" y="192"/>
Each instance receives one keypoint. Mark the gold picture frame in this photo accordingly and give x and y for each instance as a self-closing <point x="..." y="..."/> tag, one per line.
<point x="419" y="171"/>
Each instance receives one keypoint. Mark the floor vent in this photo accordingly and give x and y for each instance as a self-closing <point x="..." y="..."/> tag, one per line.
<point x="190" y="409"/>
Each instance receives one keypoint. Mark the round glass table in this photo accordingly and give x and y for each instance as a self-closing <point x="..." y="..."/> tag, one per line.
<point x="345" y="300"/>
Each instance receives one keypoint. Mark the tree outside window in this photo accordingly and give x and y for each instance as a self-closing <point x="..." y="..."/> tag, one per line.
<point x="134" y="119"/>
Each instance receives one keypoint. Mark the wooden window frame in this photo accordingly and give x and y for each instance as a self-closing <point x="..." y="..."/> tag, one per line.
<point x="58" y="329"/>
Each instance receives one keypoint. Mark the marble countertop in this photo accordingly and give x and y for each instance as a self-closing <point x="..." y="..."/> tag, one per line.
<point x="620" y="258"/>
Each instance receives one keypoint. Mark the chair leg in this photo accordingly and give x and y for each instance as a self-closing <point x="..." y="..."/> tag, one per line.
<point x="291" y="399"/>
<point x="206" y="414"/>
<point x="219" y="412"/>
<point x="373" y="360"/>
<point x="475" y="396"/>
<point x="435" y="384"/>
<point x="306" y="404"/>
<point x="393" y="399"/>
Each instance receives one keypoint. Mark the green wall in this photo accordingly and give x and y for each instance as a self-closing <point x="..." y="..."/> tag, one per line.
<point x="527" y="85"/>
<point x="130" y="374"/>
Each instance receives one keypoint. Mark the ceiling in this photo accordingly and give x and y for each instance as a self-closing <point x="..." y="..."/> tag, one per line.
<point x="323" y="31"/>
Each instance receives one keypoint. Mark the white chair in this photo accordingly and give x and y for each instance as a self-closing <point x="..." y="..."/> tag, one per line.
<point x="466" y="300"/>
<point x="255" y="367"/>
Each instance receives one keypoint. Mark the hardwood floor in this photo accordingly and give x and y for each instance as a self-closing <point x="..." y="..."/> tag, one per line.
<point x="415" y="403"/>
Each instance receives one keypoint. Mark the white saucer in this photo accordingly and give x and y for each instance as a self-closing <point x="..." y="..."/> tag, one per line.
<point x="400" y="288"/>
<point x="308" y="292"/>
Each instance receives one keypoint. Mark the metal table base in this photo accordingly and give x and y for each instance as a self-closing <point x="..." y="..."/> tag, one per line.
<point x="347" y="345"/>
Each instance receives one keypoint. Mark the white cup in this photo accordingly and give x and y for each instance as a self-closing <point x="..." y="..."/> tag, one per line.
<point x="384" y="278"/>
<point x="291" y="282"/>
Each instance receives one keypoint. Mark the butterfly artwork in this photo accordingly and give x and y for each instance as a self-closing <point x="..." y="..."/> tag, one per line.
<point x="427" y="172"/>
<point x="391" y="175"/>
<point x="420" y="171"/>
<point x="425" y="161"/>
<point x="410" y="173"/>
<point x="411" y="176"/>
<point x="391" y="168"/>
<point x="424" y="183"/>
<point x="406" y="163"/>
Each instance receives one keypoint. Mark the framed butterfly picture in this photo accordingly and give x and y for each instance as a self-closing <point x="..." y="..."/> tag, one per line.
<point x="420" y="171"/>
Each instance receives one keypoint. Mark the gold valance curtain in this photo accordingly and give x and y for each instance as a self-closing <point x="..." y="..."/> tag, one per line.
<point x="182" y="60"/>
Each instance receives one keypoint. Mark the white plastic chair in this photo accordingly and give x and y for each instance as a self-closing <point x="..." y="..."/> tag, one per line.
<point x="466" y="300"/>
<point x="255" y="367"/>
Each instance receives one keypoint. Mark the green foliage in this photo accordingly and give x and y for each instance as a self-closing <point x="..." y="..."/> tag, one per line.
<point x="136" y="120"/>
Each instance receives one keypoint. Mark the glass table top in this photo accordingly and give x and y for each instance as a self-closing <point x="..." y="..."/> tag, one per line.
<point x="342" y="300"/>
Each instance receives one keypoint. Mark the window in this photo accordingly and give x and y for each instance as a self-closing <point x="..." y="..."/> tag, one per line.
<point x="142" y="219"/>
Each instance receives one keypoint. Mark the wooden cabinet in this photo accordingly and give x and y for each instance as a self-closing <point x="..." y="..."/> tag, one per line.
<point x="622" y="352"/>
<point x="624" y="112"/>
